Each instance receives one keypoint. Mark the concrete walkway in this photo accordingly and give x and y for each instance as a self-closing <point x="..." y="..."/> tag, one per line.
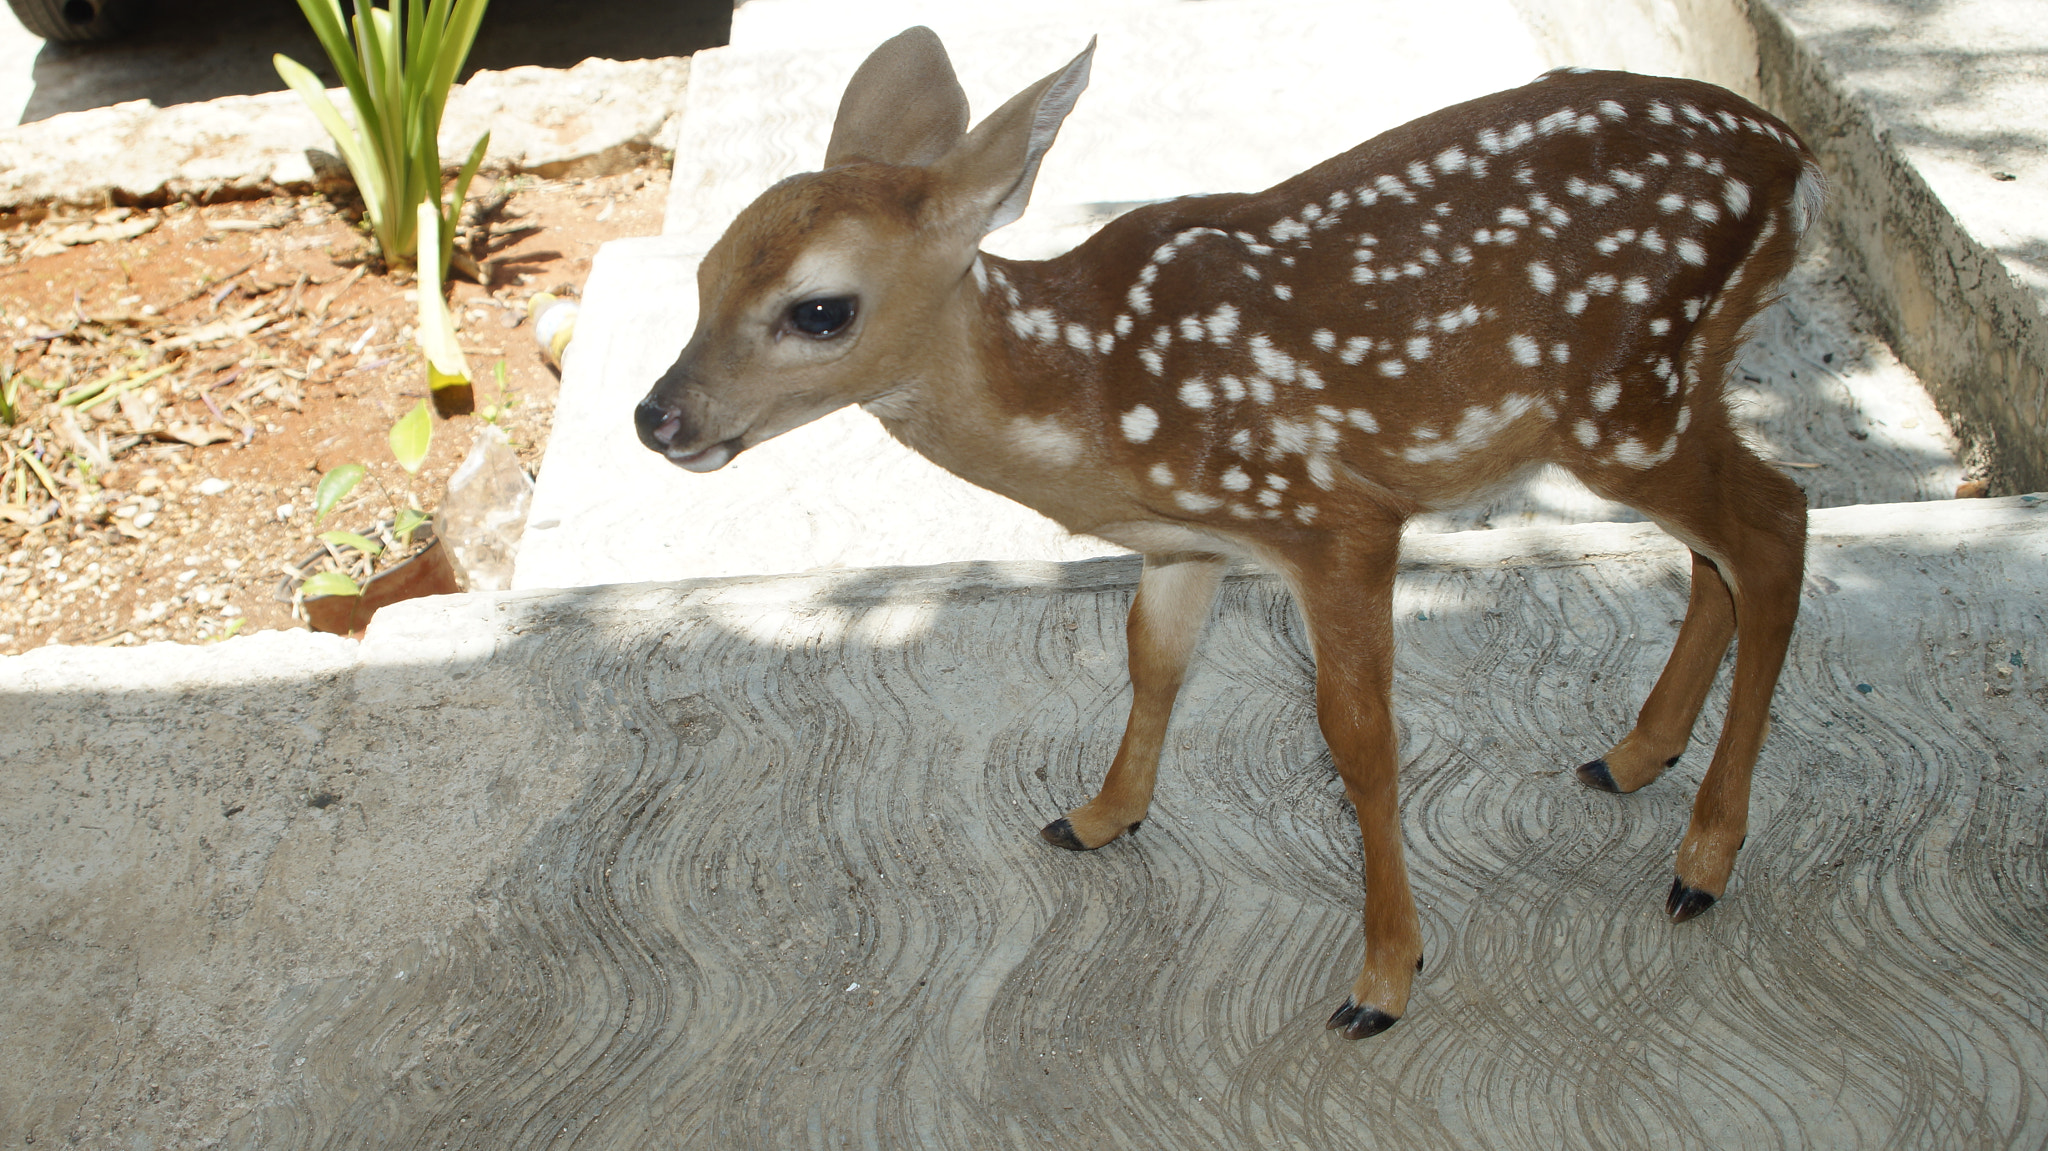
<point x="752" y="864"/>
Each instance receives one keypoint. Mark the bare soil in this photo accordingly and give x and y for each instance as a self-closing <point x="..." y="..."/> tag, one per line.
<point x="254" y="346"/>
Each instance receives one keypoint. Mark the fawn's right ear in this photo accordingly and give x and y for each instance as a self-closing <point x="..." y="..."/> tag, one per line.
<point x="904" y="105"/>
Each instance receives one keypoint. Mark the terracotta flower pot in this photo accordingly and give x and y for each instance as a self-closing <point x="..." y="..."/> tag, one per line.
<point x="428" y="571"/>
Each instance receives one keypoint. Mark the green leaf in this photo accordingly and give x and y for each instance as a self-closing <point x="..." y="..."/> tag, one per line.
<point x="413" y="434"/>
<point x="358" y="150"/>
<point x="446" y="367"/>
<point x="406" y="522"/>
<point x="363" y="544"/>
<point x="333" y="486"/>
<point x="329" y="583"/>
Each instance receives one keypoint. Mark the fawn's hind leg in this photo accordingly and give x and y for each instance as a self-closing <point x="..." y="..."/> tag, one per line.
<point x="1172" y="605"/>
<point x="1664" y="726"/>
<point x="1750" y="535"/>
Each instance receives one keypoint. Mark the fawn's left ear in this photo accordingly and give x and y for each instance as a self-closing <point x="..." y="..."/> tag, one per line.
<point x="903" y="106"/>
<point x="989" y="175"/>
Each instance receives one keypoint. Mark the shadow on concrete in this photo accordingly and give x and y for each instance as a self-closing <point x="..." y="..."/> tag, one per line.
<point x="192" y="50"/>
<point x="752" y="865"/>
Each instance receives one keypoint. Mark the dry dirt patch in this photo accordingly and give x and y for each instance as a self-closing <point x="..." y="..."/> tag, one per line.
<point x="245" y="348"/>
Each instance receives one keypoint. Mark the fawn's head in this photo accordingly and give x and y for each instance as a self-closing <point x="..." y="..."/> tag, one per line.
<point x="841" y="286"/>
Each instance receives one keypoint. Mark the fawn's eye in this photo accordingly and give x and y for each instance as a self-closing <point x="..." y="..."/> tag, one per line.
<point x="822" y="319"/>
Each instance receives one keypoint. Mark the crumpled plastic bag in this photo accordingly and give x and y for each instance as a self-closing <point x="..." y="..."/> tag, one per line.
<point x="483" y="513"/>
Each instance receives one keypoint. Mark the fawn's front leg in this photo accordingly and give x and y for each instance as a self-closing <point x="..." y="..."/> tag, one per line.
<point x="1167" y="616"/>
<point x="1347" y="598"/>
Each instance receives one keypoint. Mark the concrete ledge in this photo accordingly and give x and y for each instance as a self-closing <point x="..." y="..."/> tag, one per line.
<point x="599" y="117"/>
<point x="1952" y="261"/>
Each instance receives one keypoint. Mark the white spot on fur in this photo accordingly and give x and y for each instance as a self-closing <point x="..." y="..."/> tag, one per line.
<point x="1393" y="368"/>
<point x="1735" y="194"/>
<point x="1271" y="360"/>
<point x="1195" y="393"/>
<point x="1417" y="348"/>
<point x="1671" y="202"/>
<point x="1524" y="350"/>
<point x="1541" y="277"/>
<point x="1197" y="502"/>
<point x="1355" y="349"/>
<point x="1154" y="363"/>
<point x="1586" y="433"/>
<point x="1362" y="420"/>
<point x="1236" y="480"/>
<point x="1475" y="429"/>
<point x="1575" y="303"/>
<point x="1139" y="298"/>
<point x="1706" y="211"/>
<point x="1046" y="440"/>
<point x="1660" y="326"/>
<point x="1161" y="475"/>
<point x="1636" y="290"/>
<point x="1690" y="251"/>
<point x="1450" y="160"/>
<point x="1607" y="395"/>
<point x="1560" y="352"/>
<point x="1139" y="423"/>
<point x="1324" y="338"/>
<point x="1124" y="324"/>
<point x="1233" y="388"/>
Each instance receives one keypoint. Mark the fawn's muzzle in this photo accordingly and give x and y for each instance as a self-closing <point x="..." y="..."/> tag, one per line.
<point x="665" y="428"/>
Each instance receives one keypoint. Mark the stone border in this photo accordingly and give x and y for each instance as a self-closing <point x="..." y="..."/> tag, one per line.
<point x="597" y="118"/>
<point x="1947" y="304"/>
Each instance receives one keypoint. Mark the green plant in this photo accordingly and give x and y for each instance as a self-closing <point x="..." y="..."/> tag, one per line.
<point x="397" y="80"/>
<point x="10" y="394"/>
<point x="411" y="437"/>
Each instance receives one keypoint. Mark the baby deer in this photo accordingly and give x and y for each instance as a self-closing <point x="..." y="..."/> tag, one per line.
<point x="1560" y="273"/>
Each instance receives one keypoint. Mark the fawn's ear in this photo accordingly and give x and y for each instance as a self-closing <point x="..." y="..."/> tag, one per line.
<point x="989" y="175"/>
<point x="904" y="105"/>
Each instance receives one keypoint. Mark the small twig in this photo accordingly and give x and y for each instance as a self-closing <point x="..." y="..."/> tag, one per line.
<point x="209" y="285"/>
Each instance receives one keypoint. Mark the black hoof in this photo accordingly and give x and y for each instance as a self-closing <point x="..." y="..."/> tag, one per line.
<point x="1359" y="1022"/>
<point x="1060" y="833"/>
<point x="1686" y="902"/>
<point x="1596" y="776"/>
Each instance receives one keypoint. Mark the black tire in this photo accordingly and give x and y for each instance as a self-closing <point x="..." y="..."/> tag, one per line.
<point x="75" y="21"/>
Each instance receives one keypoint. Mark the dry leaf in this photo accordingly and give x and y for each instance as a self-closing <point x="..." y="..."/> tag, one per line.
<point x="198" y="435"/>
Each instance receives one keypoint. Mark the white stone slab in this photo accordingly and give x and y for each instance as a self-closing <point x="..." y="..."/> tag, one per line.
<point x="1225" y="95"/>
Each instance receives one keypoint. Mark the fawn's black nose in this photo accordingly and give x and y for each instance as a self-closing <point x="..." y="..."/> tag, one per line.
<point x="657" y="423"/>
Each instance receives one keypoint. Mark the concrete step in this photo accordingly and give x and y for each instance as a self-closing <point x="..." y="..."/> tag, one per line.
<point x="751" y="864"/>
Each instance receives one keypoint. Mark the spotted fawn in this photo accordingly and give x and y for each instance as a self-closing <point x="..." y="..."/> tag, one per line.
<point x="1556" y="274"/>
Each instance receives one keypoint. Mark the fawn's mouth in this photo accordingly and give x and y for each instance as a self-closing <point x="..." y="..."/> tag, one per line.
<point x="705" y="459"/>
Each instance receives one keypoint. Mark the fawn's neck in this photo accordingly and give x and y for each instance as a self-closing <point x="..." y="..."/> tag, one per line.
<point x="1005" y="393"/>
